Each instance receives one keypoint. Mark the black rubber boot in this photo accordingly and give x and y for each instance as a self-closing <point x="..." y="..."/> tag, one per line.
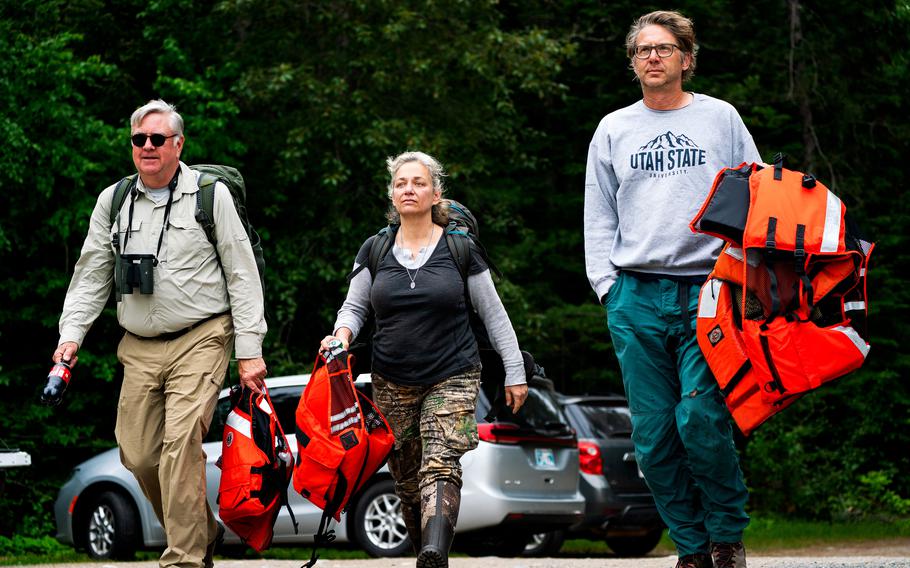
<point x="410" y="514"/>
<point x="440" y="512"/>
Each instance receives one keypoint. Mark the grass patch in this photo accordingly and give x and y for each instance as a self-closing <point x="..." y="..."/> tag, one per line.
<point x="775" y="534"/>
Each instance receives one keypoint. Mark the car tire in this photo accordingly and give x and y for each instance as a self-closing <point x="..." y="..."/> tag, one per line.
<point x="634" y="545"/>
<point x="110" y="527"/>
<point x="544" y="544"/>
<point x="378" y="525"/>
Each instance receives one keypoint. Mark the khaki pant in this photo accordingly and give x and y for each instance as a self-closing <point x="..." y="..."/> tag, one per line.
<point x="168" y="397"/>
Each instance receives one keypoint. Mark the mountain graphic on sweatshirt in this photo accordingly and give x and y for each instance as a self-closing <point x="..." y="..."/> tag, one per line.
<point x="669" y="140"/>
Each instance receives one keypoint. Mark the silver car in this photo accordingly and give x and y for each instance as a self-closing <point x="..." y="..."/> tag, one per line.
<point x="522" y="478"/>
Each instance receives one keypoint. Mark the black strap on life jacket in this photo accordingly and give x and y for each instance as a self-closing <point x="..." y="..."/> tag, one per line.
<point x="799" y="260"/>
<point x="736" y="378"/>
<point x="324" y="536"/>
<point x="770" y="248"/>
<point x="775" y="384"/>
<point x="287" y="505"/>
<point x="778" y="166"/>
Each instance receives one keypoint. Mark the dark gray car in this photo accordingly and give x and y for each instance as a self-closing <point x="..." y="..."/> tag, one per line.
<point x="619" y="506"/>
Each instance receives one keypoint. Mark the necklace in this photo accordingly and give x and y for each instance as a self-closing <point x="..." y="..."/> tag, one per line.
<point x="420" y="260"/>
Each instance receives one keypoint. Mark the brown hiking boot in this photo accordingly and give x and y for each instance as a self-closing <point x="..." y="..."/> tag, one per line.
<point x="728" y="554"/>
<point x="698" y="560"/>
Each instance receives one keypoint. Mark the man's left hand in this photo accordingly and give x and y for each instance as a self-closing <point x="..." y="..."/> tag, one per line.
<point x="252" y="373"/>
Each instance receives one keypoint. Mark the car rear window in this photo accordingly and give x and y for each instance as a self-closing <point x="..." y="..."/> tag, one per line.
<point x="600" y="420"/>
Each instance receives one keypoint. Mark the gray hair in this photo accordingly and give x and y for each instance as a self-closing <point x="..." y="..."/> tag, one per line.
<point x="437" y="173"/>
<point x="158" y="105"/>
<point x="682" y="28"/>
<point x="432" y="164"/>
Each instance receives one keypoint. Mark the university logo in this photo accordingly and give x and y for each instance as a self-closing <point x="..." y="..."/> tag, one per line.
<point x="668" y="154"/>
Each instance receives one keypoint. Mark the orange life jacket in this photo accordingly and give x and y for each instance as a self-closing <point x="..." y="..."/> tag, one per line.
<point x="256" y="468"/>
<point x="342" y="440"/>
<point x="784" y="309"/>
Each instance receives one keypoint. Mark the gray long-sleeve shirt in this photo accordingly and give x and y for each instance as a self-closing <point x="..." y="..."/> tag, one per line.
<point x="648" y="173"/>
<point x="486" y="301"/>
<point x="189" y="283"/>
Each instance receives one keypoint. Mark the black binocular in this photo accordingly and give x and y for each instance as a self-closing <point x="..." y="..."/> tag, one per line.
<point x="136" y="271"/>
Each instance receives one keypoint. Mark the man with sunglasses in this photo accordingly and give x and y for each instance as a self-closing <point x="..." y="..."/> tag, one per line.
<point x="650" y="166"/>
<point x="184" y="303"/>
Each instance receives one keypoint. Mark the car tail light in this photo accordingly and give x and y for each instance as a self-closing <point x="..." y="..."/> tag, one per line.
<point x="589" y="460"/>
<point x="504" y="433"/>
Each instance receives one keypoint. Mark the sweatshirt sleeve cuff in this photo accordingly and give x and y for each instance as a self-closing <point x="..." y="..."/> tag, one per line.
<point x="603" y="289"/>
<point x="515" y="373"/>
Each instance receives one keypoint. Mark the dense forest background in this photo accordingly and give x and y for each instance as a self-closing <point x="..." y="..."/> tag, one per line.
<point x="307" y="99"/>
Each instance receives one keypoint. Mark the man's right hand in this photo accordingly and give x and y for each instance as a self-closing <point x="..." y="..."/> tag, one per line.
<point x="252" y="374"/>
<point x="66" y="352"/>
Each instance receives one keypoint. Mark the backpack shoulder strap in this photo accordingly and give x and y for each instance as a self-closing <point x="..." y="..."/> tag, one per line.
<point x="120" y="192"/>
<point x="380" y="246"/>
<point x="205" y="205"/>
<point x="459" y="244"/>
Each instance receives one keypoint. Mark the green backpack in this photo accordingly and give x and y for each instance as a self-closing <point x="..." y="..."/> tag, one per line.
<point x="205" y="205"/>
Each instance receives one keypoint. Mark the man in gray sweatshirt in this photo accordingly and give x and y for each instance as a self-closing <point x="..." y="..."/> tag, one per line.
<point x="650" y="167"/>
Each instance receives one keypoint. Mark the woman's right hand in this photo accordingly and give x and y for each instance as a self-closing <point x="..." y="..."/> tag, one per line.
<point x="326" y="343"/>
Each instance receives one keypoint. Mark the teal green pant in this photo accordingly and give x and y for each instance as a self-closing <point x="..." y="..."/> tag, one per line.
<point x="680" y="425"/>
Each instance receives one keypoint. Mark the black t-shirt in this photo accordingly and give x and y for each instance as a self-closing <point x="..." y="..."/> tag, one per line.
<point x="423" y="334"/>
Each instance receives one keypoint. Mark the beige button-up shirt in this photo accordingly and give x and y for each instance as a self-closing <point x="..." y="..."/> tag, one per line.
<point x="190" y="283"/>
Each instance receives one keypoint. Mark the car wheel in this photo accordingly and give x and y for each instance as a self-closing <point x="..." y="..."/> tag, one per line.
<point x="378" y="525"/>
<point x="110" y="527"/>
<point x="544" y="544"/>
<point x="634" y="545"/>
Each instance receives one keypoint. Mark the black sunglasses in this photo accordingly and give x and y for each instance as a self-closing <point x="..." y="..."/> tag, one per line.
<point x="157" y="139"/>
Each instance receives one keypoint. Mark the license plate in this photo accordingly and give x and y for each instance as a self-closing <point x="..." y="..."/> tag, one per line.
<point x="544" y="458"/>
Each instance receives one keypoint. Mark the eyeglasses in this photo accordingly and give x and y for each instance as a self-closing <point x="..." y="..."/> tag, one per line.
<point x="663" y="50"/>
<point x="157" y="139"/>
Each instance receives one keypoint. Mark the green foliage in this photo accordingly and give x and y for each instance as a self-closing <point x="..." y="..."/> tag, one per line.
<point x="29" y="550"/>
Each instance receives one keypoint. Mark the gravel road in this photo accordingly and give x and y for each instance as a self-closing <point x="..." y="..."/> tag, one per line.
<point x="891" y="553"/>
<point x="802" y="561"/>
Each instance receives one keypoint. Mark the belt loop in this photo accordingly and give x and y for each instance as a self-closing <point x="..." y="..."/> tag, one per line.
<point x="684" y="307"/>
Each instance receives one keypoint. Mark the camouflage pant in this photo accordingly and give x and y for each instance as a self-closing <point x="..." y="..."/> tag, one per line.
<point x="434" y="426"/>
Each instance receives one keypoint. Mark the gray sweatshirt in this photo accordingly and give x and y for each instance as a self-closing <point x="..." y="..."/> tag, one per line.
<point x="648" y="174"/>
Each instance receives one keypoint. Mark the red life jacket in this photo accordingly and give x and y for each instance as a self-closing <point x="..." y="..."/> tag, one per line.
<point x="342" y="440"/>
<point x="784" y="309"/>
<point x="256" y="468"/>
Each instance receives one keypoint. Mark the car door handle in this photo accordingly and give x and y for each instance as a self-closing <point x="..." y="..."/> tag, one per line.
<point x="628" y="457"/>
